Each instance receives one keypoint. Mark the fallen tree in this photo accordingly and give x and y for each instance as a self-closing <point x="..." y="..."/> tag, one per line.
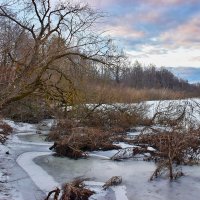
<point x="75" y="145"/>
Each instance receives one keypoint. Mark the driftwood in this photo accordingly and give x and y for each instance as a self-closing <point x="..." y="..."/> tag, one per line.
<point x="56" y="193"/>
<point x="115" y="180"/>
<point x="53" y="146"/>
<point x="130" y="152"/>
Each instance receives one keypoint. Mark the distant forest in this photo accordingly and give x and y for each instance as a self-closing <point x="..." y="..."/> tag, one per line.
<point x="147" y="77"/>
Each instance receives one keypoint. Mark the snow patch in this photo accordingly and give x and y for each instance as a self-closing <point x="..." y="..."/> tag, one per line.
<point x="151" y="149"/>
<point x="103" y="154"/>
<point x="124" y="145"/>
<point x="98" y="156"/>
<point x="21" y="127"/>
<point x="120" y="192"/>
<point x="3" y="149"/>
<point x="40" y="177"/>
<point x="97" y="188"/>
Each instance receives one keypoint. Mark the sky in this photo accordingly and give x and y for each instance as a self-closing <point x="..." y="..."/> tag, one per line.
<point x="161" y="32"/>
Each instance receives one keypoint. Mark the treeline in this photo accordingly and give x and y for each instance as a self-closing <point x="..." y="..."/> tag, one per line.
<point x="150" y="77"/>
<point x="147" y="77"/>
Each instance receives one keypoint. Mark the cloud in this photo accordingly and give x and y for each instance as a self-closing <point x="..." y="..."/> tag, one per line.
<point x="195" y="58"/>
<point x="144" y="16"/>
<point x="124" y="31"/>
<point x="168" y="2"/>
<point x="134" y="55"/>
<point x="149" y="50"/>
<point x="106" y="3"/>
<point x="99" y="3"/>
<point x="164" y="32"/>
<point x="185" y="35"/>
<point x="156" y="51"/>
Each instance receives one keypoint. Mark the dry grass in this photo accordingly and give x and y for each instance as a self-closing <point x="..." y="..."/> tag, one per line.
<point x="124" y="94"/>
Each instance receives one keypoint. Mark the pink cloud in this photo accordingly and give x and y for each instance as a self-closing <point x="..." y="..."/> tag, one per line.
<point x="124" y="31"/>
<point x="104" y="3"/>
<point x="165" y="2"/>
<point x="185" y="35"/>
<point x="149" y="16"/>
<point x="99" y="3"/>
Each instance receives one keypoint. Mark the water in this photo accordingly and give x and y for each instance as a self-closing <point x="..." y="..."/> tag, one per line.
<point x="135" y="175"/>
<point x="33" y="138"/>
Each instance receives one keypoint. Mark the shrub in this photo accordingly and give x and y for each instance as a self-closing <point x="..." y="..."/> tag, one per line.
<point x="5" y="130"/>
<point x="175" y="135"/>
<point x="28" y="110"/>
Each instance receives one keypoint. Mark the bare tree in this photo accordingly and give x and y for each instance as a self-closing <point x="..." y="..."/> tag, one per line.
<point x="34" y="53"/>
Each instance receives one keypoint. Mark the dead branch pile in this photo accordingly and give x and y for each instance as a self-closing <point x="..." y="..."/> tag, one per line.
<point x="176" y="138"/>
<point x="85" y="139"/>
<point x="5" y="130"/>
<point x="130" y="152"/>
<point x="116" y="118"/>
<point x="72" y="191"/>
<point x="181" y="147"/>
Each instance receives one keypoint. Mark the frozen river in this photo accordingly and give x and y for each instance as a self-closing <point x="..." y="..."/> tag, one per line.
<point x="39" y="171"/>
<point x="135" y="176"/>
